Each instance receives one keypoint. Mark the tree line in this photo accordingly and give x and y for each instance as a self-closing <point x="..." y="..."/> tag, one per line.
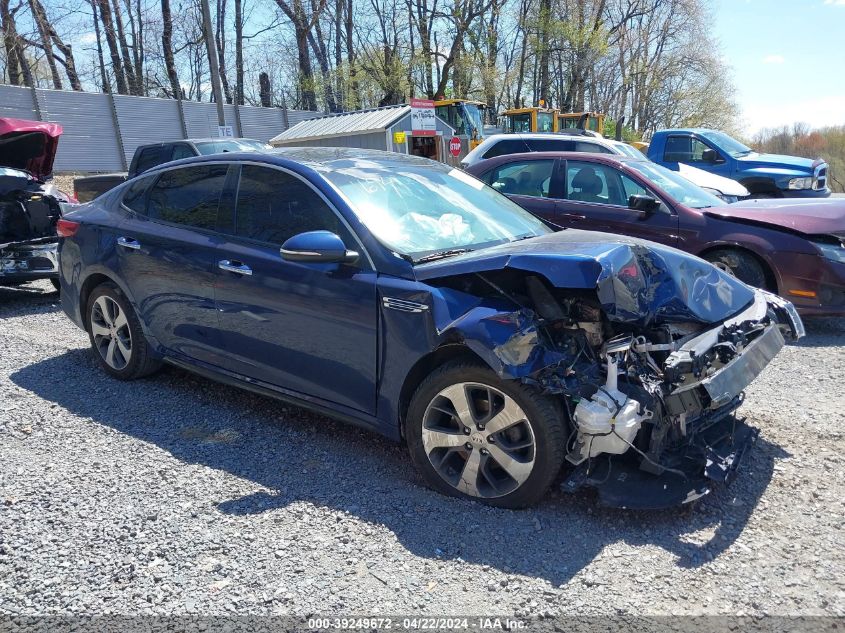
<point x="652" y="62"/>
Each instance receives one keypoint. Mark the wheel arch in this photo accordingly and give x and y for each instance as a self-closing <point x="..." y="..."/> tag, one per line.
<point x="424" y="366"/>
<point x="772" y="280"/>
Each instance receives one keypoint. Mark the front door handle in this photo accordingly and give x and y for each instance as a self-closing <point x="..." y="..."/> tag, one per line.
<point x="573" y="216"/>
<point x="128" y="242"/>
<point x="234" y="267"/>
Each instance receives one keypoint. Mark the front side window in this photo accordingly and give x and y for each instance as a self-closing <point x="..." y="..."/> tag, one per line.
<point x="188" y="196"/>
<point x="684" y="149"/>
<point x="545" y="122"/>
<point x="523" y="178"/>
<point x="181" y="151"/>
<point x="521" y="122"/>
<point x="676" y="185"/>
<point x="150" y="157"/>
<point x="417" y="210"/>
<point x="273" y="206"/>
<point x="506" y="146"/>
<point x="600" y="184"/>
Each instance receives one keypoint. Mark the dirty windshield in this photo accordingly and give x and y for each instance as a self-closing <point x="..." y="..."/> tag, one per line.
<point x="422" y="211"/>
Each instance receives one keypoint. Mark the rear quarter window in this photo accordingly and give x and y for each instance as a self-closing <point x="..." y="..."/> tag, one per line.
<point x="188" y="196"/>
<point x="135" y="197"/>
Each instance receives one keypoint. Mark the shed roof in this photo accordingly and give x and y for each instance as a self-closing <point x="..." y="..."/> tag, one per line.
<point x="344" y="124"/>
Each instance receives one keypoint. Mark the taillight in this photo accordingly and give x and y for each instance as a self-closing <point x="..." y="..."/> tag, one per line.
<point x="66" y="228"/>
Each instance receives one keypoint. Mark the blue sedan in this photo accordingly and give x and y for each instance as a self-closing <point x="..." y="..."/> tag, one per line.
<point x="408" y="297"/>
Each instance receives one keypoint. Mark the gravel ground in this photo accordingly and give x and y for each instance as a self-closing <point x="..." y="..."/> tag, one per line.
<point x="176" y="495"/>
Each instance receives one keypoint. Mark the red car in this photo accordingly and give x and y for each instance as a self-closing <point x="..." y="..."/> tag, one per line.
<point x="30" y="206"/>
<point x="795" y="248"/>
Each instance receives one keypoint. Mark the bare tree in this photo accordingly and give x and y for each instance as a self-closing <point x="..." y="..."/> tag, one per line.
<point x="303" y="22"/>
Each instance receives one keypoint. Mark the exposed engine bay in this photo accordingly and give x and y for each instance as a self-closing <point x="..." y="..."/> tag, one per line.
<point x="29" y="211"/>
<point x="650" y="402"/>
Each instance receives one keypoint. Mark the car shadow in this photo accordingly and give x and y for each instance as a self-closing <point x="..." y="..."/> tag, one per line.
<point x="293" y="455"/>
<point x="823" y="332"/>
<point x="29" y="298"/>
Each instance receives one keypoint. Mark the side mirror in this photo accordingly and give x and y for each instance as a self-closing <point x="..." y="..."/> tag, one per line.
<point x="711" y="156"/>
<point x="317" y="247"/>
<point x="646" y="205"/>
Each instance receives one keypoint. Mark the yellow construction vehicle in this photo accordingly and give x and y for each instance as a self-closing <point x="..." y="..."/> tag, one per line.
<point x="466" y="116"/>
<point x="584" y="120"/>
<point x="533" y="119"/>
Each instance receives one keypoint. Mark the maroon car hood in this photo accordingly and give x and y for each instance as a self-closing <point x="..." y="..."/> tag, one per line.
<point x="811" y="217"/>
<point x="29" y="145"/>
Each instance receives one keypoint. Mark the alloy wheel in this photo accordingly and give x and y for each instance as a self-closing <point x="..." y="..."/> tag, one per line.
<point x="479" y="440"/>
<point x="110" y="330"/>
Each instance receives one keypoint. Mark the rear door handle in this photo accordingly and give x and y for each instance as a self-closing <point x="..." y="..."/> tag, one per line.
<point x="234" y="267"/>
<point x="128" y="242"/>
<point x="573" y="216"/>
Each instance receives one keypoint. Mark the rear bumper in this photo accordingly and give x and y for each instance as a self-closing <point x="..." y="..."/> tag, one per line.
<point x="27" y="261"/>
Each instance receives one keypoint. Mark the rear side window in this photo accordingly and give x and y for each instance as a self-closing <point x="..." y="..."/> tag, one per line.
<point x="188" y="196"/>
<point x="523" y="178"/>
<point x="550" y="145"/>
<point x="273" y="206"/>
<point x="595" y="148"/>
<point x="507" y="146"/>
<point x="135" y="197"/>
<point x="152" y="156"/>
<point x="180" y="151"/>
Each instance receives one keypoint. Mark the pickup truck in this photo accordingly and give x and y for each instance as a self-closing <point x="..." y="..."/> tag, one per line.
<point x="764" y="175"/>
<point x="86" y="188"/>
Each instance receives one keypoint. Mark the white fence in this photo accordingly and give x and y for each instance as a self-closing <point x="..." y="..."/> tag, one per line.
<point x="101" y="131"/>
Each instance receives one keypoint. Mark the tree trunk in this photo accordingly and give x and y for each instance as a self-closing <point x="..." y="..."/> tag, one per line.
<point x="302" y="26"/>
<point x="318" y="45"/>
<point x="543" y="44"/>
<point x="354" y="100"/>
<point x="43" y="27"/>
<point x="111" y="40"/>
<point x="213" y="64"/>
<point x="167" y="48"/>
<point x="239" y="53"/>
<point x="264" y="91"/>
<point x="131" y="80"/>
<point x="220" y="39"/>
<point x="11" y="43"/>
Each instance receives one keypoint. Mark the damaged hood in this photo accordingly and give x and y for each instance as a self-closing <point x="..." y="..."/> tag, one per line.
<point x="810" y="217"/>
<point x="636" y="281"/>
<point x="29" y="145"/>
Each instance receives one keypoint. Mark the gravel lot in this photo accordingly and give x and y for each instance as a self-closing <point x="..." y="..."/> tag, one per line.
<point x="176" y="495"/>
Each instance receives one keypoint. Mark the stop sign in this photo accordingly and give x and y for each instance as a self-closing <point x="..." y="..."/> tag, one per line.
<point x="455" y="146"/>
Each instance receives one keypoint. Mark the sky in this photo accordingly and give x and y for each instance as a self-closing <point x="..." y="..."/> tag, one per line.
<point x="788" y="59"/>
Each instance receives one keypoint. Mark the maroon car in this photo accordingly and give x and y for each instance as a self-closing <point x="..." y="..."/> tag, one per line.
<point x="795" y="248"/>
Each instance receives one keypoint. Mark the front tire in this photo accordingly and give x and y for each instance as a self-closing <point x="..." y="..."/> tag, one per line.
<point x="116" y="335"/>
<point x="476" y="436"/>
<point x="741" y="265"/>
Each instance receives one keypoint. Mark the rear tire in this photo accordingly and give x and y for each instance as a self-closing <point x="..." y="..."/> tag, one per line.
<point x="476" y="436"/>
<point x="741" y="265"/>
<point x="116" y="335"/>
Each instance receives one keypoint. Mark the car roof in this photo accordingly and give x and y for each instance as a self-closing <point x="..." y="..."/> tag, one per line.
<point x="318" y="158"/>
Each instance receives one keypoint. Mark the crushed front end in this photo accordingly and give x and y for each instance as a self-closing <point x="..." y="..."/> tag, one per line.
<point x="29" y="211"/>
<point x="649" y="349"/>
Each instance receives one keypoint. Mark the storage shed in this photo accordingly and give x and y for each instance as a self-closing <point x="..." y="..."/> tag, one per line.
<point x="387" y="128"/>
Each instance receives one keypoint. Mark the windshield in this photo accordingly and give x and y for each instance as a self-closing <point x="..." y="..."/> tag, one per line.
<point x="725" y="142"/>
<point x="231" y="145"/>
<point x="676" y="185"/>
<point x="418" y="210"/>
<point x="471" y="115"/>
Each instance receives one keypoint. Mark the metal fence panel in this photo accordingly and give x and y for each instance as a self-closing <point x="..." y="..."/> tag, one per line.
<point x="262" y="124"/>
<point x="92" y="143"/>
<point x="89" y="141"/>
<point x="145" y="120"/>
<point x="17" y="103"/>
